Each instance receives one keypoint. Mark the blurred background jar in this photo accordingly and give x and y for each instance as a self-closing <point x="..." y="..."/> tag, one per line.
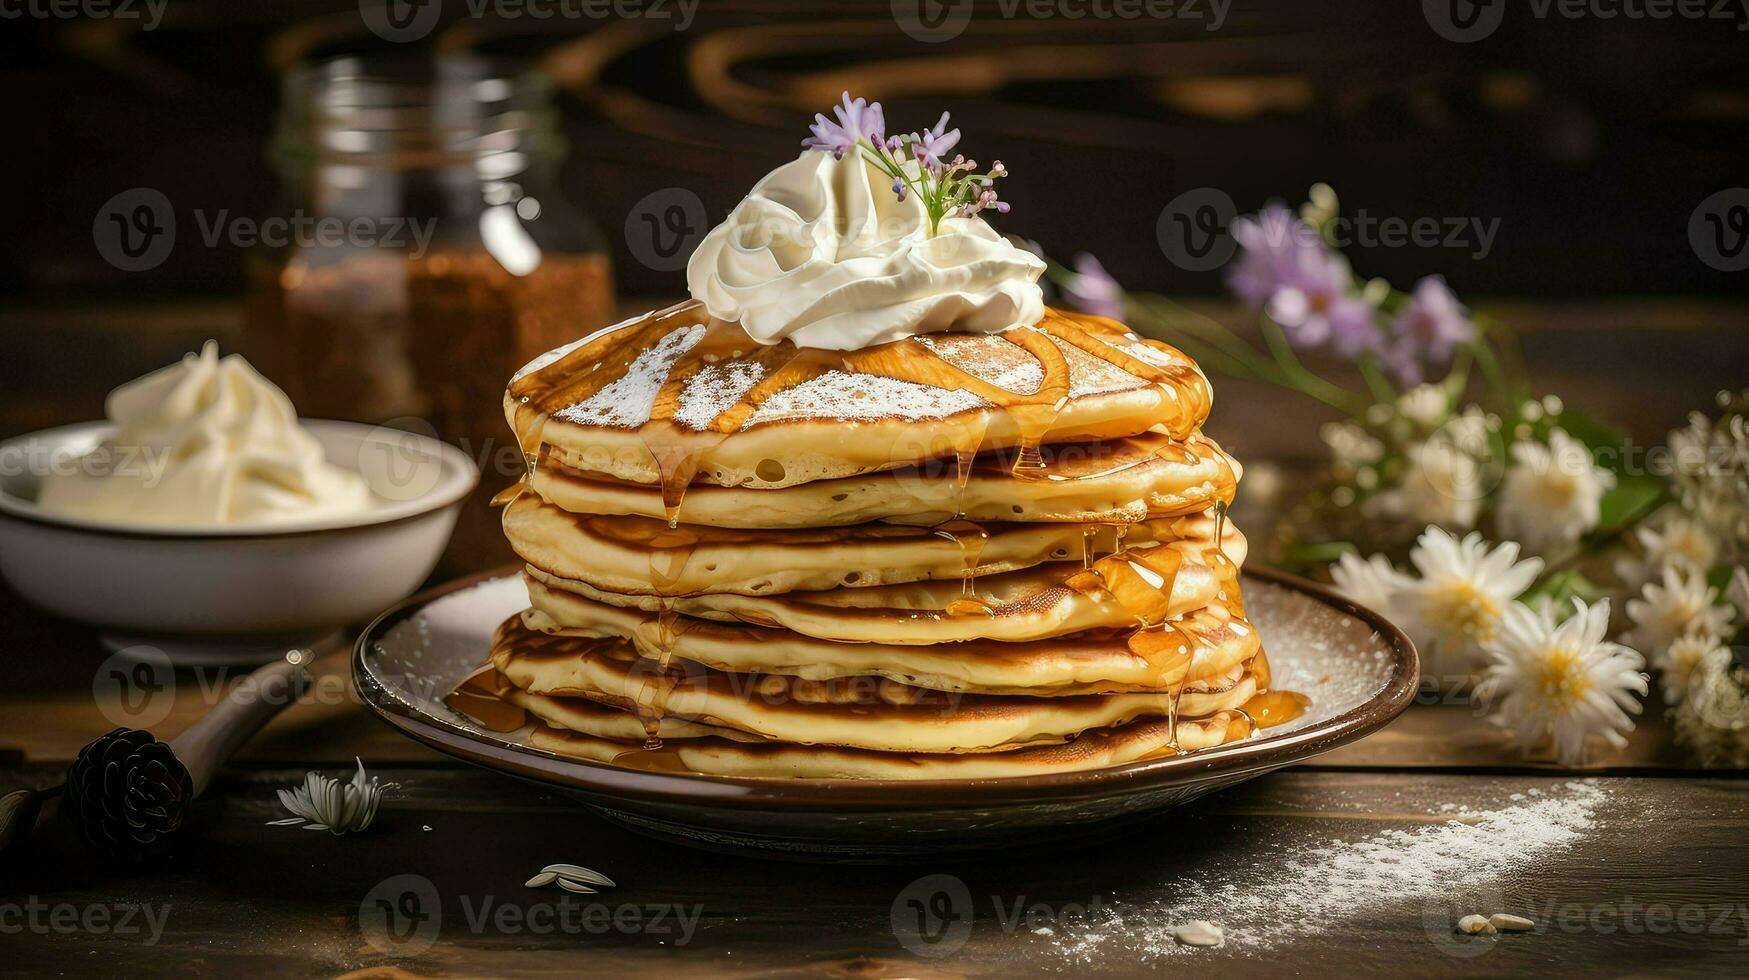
<point x="427" y="255"/>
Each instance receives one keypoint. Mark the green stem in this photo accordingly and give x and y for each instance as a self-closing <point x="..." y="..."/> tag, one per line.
<point x="1375" y="378"/>
<point x="1304" y="380"/>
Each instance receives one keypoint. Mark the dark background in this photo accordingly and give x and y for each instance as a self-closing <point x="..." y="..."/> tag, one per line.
<point x="1591" y="139"/>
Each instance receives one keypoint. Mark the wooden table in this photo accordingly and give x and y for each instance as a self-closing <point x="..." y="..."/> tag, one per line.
<point x="1657" y="884"/>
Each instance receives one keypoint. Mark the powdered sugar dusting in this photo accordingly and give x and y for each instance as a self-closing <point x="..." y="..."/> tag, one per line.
<point x="714" y="389"/>
<point x="863" y="397"/>
<point x="627" y="401"/>
<point x="1089" y="375"/>
<point x="1313" y="888"/>
<point x="990" y="359"/>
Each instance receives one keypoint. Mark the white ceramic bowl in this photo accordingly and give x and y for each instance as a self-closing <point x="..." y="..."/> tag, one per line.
<point x="237" y="585"/>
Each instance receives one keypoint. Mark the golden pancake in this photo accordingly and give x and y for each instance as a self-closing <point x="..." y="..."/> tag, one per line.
<point x="1054" y="599"/>
<point x="1119" y="481"/>
<point x="644" y="556"/>
<point x="1149" y="739"/>
<point x="1098" y="662"/>
<point x="675" y="397"/>
<point x="858" y="712"/>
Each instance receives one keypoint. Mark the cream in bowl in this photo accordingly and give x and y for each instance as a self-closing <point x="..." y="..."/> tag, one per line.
<point x="205" y="518"/>
<point x="206" y="441"/>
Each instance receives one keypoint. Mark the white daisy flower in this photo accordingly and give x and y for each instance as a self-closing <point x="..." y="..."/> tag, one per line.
<point x="1678" y="663"/>
<point x="1562" y="683"/>
<point x="1712" y="720"/>
<point x="1684" y="605"/>
<point x="1670" y="538"/>
<point x="1442" y="486"/>
<point x="1350" y="445"/>
<point x="1372" y="582"/>
<point x="1425" y="405"/>
<point x="1464" y="589"/>
<point x="325" y="803"/>
<point x="1552" y="493"/>
<point x="1738" y="592"/>
<point x="1712" y="473"/>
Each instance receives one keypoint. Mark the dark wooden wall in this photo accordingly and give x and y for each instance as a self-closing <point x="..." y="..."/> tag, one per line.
<point x="1591" y="140"/>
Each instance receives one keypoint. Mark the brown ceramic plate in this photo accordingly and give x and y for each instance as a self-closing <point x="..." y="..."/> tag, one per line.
<point x="1359" y="670"/>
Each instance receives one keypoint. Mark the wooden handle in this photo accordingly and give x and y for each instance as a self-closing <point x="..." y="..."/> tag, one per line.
<point x="205" y="745"/>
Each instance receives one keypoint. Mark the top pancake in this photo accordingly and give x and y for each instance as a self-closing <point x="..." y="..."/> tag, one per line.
<point x="674" y="397"/>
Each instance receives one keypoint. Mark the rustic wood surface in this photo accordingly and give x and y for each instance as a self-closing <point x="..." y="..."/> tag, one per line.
<point x="244" y="897"/>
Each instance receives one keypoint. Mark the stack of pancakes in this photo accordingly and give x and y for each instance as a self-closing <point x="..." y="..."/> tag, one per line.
<point x="955" y="555"/>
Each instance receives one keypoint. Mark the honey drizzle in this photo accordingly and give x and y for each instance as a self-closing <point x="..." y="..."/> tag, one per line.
<point x="971" y="538"/>
<point x="678" y="451"/>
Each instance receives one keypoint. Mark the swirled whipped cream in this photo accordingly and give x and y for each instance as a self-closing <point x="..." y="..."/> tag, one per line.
<point x="204" y="441"/>
<point x="824" y="254"/>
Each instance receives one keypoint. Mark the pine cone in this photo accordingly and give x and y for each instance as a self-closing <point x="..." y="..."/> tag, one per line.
<point x="128" y="793"/>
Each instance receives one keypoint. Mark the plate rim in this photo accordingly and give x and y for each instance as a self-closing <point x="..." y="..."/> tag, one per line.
<point x="614" y="783"/>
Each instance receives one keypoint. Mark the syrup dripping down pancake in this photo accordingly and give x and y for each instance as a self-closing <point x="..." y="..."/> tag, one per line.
<point x="859" y="712"/>
<point x="718" y="756"/>
<point x="644" y="556"/>
<point x="1118" y="481"/>
<point x="1098" y="662"/>
<point x="1049" y="600"/>
<point x="674" y="398"/>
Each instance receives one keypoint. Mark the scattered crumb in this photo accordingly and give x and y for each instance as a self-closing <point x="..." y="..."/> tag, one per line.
<point x="1199" y="932"/>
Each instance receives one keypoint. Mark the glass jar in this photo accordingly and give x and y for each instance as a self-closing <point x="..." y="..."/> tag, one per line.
<point x="425" y="254"/>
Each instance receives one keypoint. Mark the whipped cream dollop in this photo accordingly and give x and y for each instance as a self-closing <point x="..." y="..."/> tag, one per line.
<point x="204" y="441"/>
<point x="824" y="254"/>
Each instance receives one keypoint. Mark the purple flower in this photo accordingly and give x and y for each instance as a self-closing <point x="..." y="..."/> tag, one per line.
<point x="930" y="144"/>
<point x="1276" y="244"/>
<point x="856" y="120"/>
<point x="1093" y="290"/>
<point x="1434" y="320"/>
<point x="1313" y="306"/>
